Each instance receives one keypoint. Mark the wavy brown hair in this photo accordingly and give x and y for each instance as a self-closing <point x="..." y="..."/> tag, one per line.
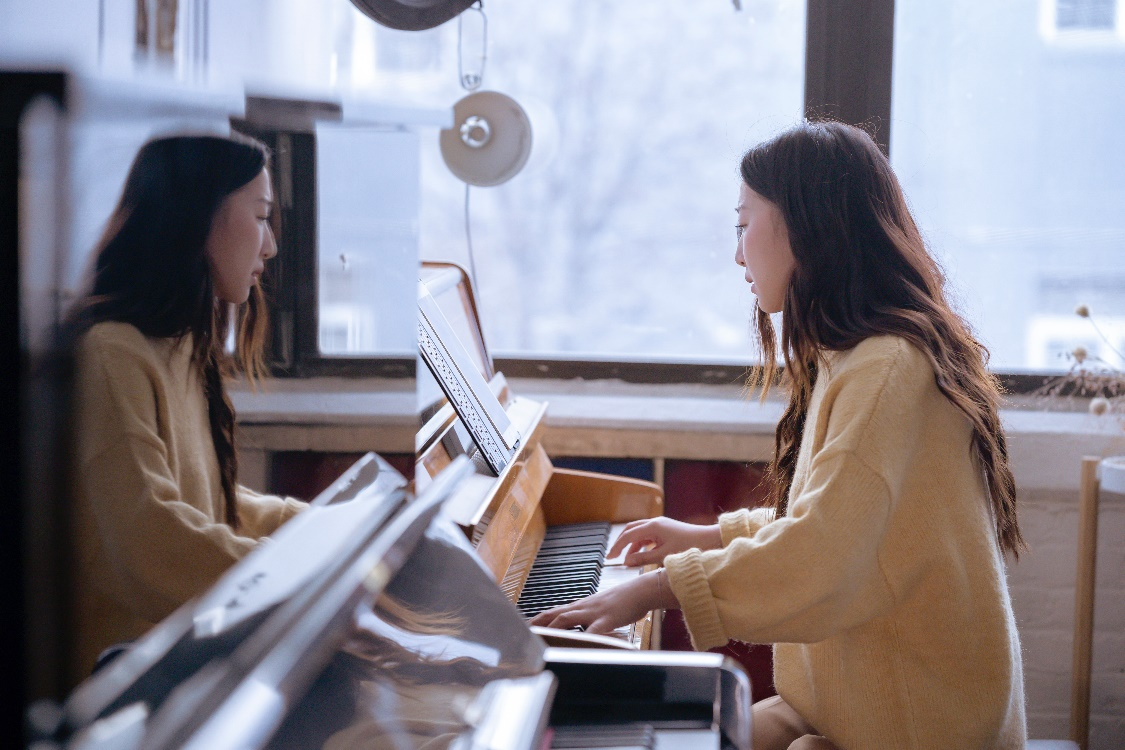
<point x="862" y="269"/>
<point x="150" y="271"/>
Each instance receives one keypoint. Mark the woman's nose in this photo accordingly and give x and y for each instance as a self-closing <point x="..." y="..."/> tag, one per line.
<point x="269" y="244"/>
<point x="738" y="255"/>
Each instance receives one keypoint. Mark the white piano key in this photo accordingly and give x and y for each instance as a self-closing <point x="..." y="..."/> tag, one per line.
<point x="614" y="532"/>
<point x="615" y="575"/>
<point x="687" y="739"/>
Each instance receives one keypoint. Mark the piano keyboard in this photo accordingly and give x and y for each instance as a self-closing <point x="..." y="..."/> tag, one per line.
<point x="622" y="736"/>
<point x="633" y="737"/>
<point x="571" y="565"/>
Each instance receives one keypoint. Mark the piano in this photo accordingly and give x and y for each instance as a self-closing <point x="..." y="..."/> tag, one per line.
<point x="543" y="531"/>
<point x="392" y="634"/>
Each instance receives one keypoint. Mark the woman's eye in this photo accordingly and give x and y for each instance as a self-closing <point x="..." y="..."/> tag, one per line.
<point x="738" y="230"/>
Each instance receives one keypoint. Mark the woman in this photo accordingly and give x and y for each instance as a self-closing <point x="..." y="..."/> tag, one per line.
<point x="878" y="571"/>
<point x="158" y="513"/>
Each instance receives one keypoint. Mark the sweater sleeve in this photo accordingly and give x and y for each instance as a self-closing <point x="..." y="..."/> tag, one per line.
<point x="261" y="515"/>
<point x="161" y="550"/>
<point x="743" y="522"/>
<point x="816" y="571"/>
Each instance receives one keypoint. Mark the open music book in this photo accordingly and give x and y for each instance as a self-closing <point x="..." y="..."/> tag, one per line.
<point x="464" y="385"/>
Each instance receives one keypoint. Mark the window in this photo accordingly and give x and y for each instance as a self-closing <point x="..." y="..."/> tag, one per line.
<point x="367" y="240"/>
<point x="1008" y="149"/>
<point x="616" y="240"/>
<point x="1085" y="14"/>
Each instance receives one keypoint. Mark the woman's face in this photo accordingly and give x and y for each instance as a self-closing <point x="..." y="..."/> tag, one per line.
<point x="763" y="249"/>
<point x="241" y="240"/>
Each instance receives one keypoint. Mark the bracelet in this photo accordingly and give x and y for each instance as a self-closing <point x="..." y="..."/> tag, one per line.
<point x="660" y="585"/>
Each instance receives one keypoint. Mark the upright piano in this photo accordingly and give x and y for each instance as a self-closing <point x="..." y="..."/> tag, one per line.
<point x="370" y="622"/>
<point x="543" y="531"/>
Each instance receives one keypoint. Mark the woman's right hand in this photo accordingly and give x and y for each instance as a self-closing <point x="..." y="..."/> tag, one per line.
<point x="650" y="540"/>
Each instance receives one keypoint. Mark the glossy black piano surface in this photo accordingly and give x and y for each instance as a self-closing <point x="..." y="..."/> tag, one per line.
<point x="407" y="642"/>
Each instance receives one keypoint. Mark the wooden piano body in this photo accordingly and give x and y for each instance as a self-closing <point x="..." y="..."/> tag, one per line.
<point x="507" y="516"/>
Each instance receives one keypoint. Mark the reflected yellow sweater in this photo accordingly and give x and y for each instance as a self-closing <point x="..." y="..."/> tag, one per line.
<point x="883" y="588"/>
<point x="148" y="502"/>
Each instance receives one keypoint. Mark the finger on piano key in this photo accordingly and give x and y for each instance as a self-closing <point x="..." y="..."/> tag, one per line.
<point x="614" y="532"/>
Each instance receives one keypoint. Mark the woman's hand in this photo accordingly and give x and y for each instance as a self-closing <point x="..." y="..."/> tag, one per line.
<point x="617" y="607"/>
<point x="652" y="539"/>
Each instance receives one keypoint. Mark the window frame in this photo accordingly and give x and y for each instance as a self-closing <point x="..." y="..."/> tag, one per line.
<point x="288" y="127"/>
<point x="848" y="75"/>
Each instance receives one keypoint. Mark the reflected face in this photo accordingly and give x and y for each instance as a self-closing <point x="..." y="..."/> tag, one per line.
<point x="763" y="249"/>
<point x="241" y="240"/>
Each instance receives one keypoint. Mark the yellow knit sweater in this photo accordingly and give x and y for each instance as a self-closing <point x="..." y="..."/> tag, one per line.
<point x="883" y="588"/>
<point x="148" y="502"/>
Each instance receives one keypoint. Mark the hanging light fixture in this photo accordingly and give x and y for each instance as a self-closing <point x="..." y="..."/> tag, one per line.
<point x="490" y="139"/>
<point x="411" y="15"/>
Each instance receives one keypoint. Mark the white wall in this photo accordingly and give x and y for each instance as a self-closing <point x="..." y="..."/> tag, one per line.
<point x="1042" y="586"/>
<point x="49" y="30"/>
<point x="275" y="43"/>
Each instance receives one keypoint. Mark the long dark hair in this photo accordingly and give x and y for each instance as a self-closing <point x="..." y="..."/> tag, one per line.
<point x="863" y="270"/>
<point x="150" y="270"/>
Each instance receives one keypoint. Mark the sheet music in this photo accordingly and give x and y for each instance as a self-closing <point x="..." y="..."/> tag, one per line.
<point x="464" y="386"/>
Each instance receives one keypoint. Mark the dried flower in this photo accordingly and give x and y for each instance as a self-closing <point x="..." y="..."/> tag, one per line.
<point x="1090" y="376"/>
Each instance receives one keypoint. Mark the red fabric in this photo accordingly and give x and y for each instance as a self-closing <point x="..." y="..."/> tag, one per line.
<point x="305" y="474"/>
<point x="697" y="492"/>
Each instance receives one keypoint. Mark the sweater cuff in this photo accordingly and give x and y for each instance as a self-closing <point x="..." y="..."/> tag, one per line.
<point x="688" y="581"/>
<point x="743" y="523"/>
<point x="734" y="525"/>
<point x="292" y="507"/>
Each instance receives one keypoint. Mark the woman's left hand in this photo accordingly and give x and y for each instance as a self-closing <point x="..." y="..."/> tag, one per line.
<point x="621" y="605"/>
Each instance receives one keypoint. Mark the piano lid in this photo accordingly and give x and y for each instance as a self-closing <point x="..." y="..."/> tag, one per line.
<point x="452" y="290"/>
<point x="410" y="644"/>
<point x="174" y="649"/>
<point x="414" y="669"/>
<point x="308" y="544"/>
<point x="430" y="665"/>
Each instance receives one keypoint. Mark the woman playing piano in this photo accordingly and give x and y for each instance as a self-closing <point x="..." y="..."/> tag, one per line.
<point x="878" y="571"/>
<point x="158" y="512"/>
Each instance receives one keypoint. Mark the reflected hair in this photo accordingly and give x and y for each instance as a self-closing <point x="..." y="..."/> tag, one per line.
<point x="862" y="270"/>
<point x="150" y="270"/>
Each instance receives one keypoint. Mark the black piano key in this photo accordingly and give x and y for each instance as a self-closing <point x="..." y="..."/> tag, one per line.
<point x="557" y="598"/>
<point x="563" y="595"/>
<point x="593" y="551"/>
<point x="565" y="567"/>
<point x="574" y="593"/>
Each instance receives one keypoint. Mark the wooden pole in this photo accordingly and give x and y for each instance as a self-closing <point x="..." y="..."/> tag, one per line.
<point x="1084" y="602"/>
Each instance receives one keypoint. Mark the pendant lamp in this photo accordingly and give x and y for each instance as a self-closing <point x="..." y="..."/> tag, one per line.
<point x="490" y="139"/>
<point x="411" y="15"/>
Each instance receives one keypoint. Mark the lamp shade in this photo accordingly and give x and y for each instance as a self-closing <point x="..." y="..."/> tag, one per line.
<point x="1113" y="474"/>
<point x="490" y="139"/>
<point x="411" y="15"/>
